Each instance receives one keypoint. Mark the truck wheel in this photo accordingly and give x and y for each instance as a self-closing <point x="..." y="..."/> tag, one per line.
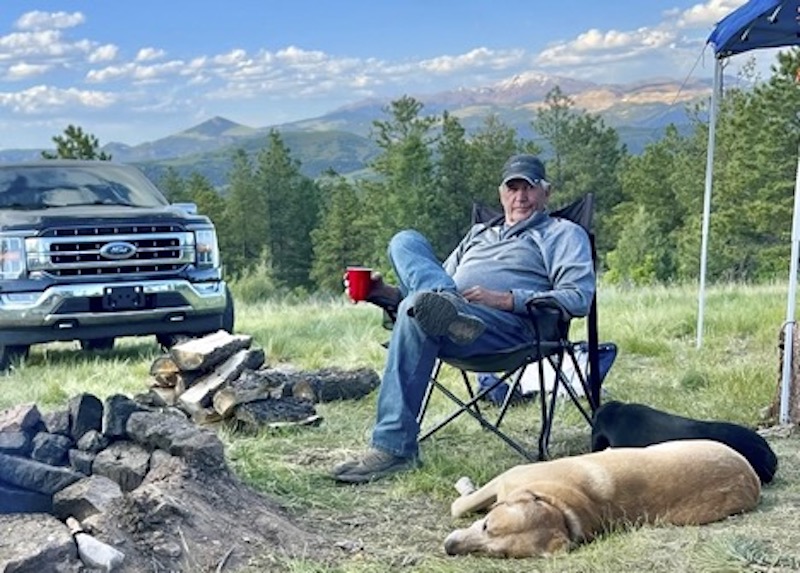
<point x="97" y="344"/>
<point x="12" y="353"/>
<point x="167" y="341"/>
<point x="228" y="318"/>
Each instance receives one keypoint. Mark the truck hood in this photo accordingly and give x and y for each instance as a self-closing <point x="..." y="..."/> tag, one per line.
<point x="95" y="214"/>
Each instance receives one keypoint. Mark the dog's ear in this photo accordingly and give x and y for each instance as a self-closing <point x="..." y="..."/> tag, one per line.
<point x="580" y="516"/>
<point x="550" y="532"/>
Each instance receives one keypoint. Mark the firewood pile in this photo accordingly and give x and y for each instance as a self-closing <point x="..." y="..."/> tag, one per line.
<point x="223" y="377"/>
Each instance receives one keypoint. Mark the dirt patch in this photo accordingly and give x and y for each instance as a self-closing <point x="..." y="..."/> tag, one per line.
<point x="185" y="519"/>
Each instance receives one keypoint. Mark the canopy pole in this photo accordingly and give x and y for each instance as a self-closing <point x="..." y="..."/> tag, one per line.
<point x="788" y="338"/>
<point x="712" y="129"/>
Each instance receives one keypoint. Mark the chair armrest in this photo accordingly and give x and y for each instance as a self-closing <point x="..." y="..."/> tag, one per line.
<point x="550" y="320"/>
<point x="547" y="307"/>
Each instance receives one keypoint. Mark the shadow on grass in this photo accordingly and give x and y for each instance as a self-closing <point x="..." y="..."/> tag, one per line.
<point x="70" y="354"/>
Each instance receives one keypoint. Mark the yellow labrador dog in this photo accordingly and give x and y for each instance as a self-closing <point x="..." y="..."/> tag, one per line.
<point x="541" y="508"/>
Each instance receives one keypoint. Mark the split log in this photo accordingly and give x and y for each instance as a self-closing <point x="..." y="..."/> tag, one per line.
<point x="272" y="413"/>
<point x="206" y="416"/>
<point x="252" y="385"/>
<point x="332" y="384"/>
<point x="165" y="371"/>
<point x="162" y="396"/>
<point x="206" y="352"/>
<point x="199" y="396"/>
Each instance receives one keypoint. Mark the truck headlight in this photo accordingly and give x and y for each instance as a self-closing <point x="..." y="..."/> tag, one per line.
<point x="12" y="257"/>
<point x="206" y="249"/>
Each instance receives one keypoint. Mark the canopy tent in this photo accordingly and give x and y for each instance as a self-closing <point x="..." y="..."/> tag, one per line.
<point x="754" y="25"/>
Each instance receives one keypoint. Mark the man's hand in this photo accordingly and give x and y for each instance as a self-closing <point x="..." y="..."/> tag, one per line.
<point x="380" y="293"/>
<point x="501" y="300"/>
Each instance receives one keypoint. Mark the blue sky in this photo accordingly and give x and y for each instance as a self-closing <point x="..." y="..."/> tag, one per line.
<point x="140" y="70"/>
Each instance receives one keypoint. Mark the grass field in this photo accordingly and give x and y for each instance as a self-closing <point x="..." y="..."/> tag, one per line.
<point x="399" y="524"/>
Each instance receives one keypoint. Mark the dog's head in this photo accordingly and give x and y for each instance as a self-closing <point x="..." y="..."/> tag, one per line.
<point x="523" y="525"/>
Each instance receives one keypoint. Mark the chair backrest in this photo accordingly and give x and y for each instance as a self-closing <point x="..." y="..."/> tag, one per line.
<point x="580" y="212"/>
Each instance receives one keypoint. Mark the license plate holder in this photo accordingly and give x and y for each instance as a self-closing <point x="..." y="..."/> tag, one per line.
<point x="123" y="298"/>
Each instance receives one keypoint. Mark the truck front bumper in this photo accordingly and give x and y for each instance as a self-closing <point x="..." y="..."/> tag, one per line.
<point x="99" y="310"/>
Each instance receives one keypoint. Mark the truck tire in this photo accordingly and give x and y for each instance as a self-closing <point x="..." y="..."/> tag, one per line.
<point x="97" y="344"/>
<point x="228" y="318"/>
<point x="167" y="341"/>
<point x="12" y="353"/>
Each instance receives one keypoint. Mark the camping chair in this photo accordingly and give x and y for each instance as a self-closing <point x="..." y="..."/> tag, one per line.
<point x="551" y="343"/>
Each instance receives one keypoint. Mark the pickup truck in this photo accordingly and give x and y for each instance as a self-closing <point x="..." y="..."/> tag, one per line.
<point x="92" y="251"/>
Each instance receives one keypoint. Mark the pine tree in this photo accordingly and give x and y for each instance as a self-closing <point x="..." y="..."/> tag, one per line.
<point x="246" y="215"/>
<point x="293" y="209"/>
<point x="75" y="144"/>
<point x="338" y="240"/>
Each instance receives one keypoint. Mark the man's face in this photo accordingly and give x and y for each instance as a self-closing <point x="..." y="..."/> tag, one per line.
<point x="520" y="200"/>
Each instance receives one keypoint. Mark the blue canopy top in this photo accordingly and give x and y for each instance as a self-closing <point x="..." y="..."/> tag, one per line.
<point x="757" y="24"/>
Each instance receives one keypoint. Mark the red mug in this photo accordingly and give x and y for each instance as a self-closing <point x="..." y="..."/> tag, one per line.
<point x="358" y="282"/>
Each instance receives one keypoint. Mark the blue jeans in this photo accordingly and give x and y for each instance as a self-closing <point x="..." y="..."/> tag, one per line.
<point x="412" y="353"/>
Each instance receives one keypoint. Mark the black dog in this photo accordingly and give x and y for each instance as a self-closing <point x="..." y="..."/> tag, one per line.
<point x="635" y="425"/>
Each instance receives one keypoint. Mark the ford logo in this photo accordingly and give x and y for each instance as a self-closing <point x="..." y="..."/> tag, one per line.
<point x="118" y="250"/>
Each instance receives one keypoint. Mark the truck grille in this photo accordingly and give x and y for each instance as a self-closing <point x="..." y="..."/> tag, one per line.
<point x="123" y="251"/>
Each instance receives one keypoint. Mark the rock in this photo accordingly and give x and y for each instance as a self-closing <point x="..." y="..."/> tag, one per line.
<point x="179" y="437"/>
<point x="86" y="413"/>
<point x="51" y="448"/>
<point x="81" y="461"/>
<point x="116" y="411"/>
<point x="35" y="476"/>
<point x="57" y="422"/>
<point x="36" y="543"/>
<point x="17" y="500"/>
<point x="21" y="418"/>
<point x="86" y="497"/>
<point x="15" y="443"/>
<point x="96" y="554"/>
<point x="92" y="441"/>
<point x="124" y="462"/>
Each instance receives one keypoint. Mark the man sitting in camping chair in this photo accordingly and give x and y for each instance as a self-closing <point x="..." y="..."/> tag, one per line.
<point x="473" y="304"/>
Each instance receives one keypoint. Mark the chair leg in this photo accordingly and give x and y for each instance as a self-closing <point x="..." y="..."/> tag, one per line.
<point x="571" y="391"/>
<point x="428" y="391"/>
<point x="547" y="415"/>
<point x="466" y="407"/>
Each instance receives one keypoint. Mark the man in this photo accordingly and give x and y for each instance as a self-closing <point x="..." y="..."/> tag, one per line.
<point x="475" y="303"/>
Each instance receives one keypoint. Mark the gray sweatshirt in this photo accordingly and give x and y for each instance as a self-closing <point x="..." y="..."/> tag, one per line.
<point x="542" y="257"/>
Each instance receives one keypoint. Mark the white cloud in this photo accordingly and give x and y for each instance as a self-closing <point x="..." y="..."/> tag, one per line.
<point x="477" y="58"/>
<point x="149" y="54"/>
<point x="24" y="71"/>
<point x="595" y="46"/>
<point x="234" y="57"/>
<point x="38" y="20"/>
<point x="104" y="53"/>
<point x="660" y="42"/>
<point x="42" y="99"/>
<point x="136" y="72"/>
<point x="707" y="14"/>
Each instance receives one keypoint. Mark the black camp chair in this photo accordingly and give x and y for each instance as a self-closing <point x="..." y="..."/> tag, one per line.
<point x="552" y="343"/>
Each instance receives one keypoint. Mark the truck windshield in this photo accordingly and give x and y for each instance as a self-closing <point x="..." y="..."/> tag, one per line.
<point x="60" y="184"/>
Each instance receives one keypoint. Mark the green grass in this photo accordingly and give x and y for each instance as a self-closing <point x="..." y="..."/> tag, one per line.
<point x="399" y="524"/>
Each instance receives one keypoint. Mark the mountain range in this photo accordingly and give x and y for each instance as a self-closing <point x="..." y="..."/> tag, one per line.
<point x="340" y="140"/>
